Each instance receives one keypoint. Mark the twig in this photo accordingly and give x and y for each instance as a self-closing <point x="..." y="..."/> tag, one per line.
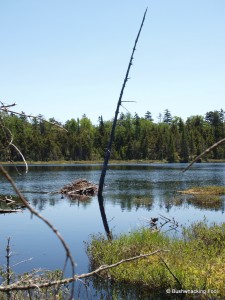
<point x="174" y="276"/>
<point x="5" y="108"/>
<point x="13" y="145"/>
<point x="22" y="261"/>
<point x="8" y="254"/>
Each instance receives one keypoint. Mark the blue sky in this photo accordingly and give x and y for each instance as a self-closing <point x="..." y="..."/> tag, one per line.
<point x="65" y="58"/>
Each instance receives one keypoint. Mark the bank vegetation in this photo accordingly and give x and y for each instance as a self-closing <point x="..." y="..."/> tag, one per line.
<point x="193" y="261"/>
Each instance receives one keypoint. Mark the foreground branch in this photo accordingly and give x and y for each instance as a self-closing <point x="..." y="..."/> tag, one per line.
<point x="33" y="211"/>
<point x="30" y="285"/>
<point x="5" y="108"/>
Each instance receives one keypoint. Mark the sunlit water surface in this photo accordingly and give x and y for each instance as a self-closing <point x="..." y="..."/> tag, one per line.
<point x="133" y="194"/>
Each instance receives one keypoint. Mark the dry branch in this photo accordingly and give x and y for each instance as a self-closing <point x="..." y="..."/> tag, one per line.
<point x="33" y="211"/>
<point x="5" y="107"/>
<point x="6" y="211"/>
<point x="174" y="276"/>
<point x="10" y="143"/>
<point x="205" y="152"/>
<point x="30" y="285"/>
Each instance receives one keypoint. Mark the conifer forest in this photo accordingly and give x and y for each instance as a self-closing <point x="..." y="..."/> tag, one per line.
<point x="137" y="137"/>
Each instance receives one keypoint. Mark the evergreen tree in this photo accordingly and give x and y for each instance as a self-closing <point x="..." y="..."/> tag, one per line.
<point x="148" y="116"/>
<point x="167" y="118"/>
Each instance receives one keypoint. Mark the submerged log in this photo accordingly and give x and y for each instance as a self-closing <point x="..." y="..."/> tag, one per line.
<point x="6" y="211"/>
<point x="80" y="187"/>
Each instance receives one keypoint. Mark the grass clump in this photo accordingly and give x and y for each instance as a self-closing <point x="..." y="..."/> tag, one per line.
<point x="208" y="197"/>
<point x="205" y="190"/>
<point x="195" y="261"/>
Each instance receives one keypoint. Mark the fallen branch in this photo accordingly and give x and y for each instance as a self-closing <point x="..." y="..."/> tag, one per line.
<point x="7" y="200"/>
<point x="30" y="285"/>
<point x="6" y="211"/>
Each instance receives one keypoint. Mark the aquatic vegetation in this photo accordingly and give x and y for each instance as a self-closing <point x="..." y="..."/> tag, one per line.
<point x="207" y="197"/>
<point x="195" y="261"/>
<point x="205" y="190"/>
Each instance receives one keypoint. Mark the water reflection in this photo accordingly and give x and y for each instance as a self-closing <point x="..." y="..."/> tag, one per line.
<point x="131" y="193"/>
<point x="131" y="187"/>
<point x="129" y="201"/>
<point x="107" y="290"/>
<point x="104" y="218"/>
<point x="42" y="202"/>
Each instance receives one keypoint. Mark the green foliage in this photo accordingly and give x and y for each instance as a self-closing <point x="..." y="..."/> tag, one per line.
<point x="206" y="190"/>
<point x="136" y="137"/>
<point x="196" y="259"/>
<point x="206" y="197"/>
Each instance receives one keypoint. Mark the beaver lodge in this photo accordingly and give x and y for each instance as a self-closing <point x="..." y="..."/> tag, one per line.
<point x="79" y="189"/>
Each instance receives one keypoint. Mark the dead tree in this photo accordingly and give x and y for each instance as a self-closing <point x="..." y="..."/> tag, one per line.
<point x="205" y="152"/>
<point x="109" y="147"/>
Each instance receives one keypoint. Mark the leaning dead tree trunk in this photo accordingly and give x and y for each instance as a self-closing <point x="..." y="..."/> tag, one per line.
<point x="109" y="147"/>
<point x="205" y="152"/>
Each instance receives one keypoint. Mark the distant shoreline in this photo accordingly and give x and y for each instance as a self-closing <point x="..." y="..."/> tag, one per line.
<point x="87" y="162"/>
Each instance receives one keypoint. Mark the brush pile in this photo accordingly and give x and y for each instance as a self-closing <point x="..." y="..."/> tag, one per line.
<point x="80" y="188"/>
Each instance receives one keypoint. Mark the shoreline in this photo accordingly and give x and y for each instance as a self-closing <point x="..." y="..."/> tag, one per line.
<point x="96" y="162"/>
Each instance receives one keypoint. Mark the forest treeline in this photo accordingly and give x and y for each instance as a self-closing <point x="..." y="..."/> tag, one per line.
<point x="170" y="138"/>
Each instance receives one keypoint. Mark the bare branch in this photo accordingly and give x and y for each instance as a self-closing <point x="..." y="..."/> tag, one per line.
<point x="33" y="211"/>
<point x="30" y="285"/>
<point x="174" y="276"/>
<point x="24" y="160"/>
<point x="205" y="152"/>
<point x="5" y="106"/>
<point x="5" y="109"/>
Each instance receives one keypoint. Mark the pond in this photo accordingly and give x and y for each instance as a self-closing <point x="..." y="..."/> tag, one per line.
<point x="132" y="196"/>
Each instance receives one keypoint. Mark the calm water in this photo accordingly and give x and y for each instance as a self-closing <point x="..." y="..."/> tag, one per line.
<point x="133" y="194"/>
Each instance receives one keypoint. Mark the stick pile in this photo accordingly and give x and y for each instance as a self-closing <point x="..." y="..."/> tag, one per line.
<point x="80" y="187"/>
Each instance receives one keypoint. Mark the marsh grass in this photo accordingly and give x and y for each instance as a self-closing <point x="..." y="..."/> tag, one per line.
<point x="196" y="259"/>
<point x="207" y="197"/>
<point x="205" y="190"/>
